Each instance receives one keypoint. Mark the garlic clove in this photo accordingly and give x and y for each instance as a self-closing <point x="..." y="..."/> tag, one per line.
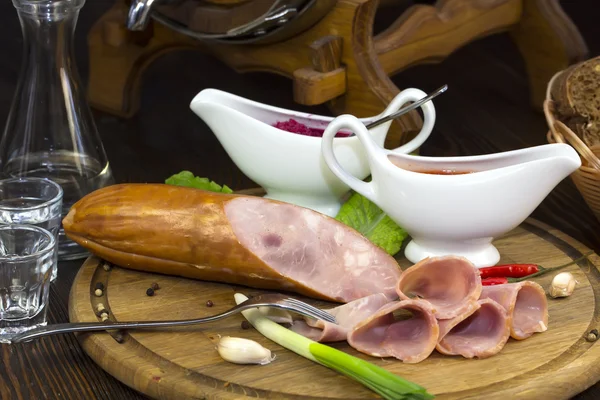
<point x="243" y="351"/>
<point x="563" y="285"/>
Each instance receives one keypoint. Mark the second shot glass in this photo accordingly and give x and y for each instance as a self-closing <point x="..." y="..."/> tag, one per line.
<point x="32" y="201"/>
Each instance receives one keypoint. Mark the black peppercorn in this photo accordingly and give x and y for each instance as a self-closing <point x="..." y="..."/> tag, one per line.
<point x="99" y="285"/>
<point x="119" y="337"/>
<point x="209" y="303"/>
<point x="155" y="286"/>
<point x="150" y="292"/>
<point x="245" y="325"/>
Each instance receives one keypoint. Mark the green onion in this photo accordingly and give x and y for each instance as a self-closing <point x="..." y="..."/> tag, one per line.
<point x="381" y="381"/>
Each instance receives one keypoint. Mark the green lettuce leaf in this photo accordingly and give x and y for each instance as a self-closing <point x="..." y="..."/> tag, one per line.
<point x="365" y="217"/>
<point x="186" y="178"/>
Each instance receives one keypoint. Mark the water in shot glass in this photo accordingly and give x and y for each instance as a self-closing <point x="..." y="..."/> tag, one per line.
<point x="27" y="258"/>
<point x="32" y="201"/>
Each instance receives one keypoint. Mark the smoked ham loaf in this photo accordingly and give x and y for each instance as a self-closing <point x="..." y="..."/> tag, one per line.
<point x="576" y="95"/>
<point x="230" y="238"/>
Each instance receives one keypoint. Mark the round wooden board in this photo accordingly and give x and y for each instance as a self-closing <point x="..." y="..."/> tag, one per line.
<point x="182" y="363"/>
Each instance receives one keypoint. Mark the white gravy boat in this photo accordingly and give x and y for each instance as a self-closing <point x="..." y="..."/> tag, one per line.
<point x="458" y="214"/>
<point x="287" y="165"/>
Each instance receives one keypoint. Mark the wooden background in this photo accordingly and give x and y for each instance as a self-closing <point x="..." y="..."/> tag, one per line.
<point x="485" y="110"/>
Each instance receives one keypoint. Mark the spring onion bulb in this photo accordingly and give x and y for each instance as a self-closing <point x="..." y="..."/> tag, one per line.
<point x="381" y="381"/>
<point x="276" y="315"/>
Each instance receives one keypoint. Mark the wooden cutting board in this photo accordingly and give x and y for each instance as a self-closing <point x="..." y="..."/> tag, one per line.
<point x="182" y="363"/>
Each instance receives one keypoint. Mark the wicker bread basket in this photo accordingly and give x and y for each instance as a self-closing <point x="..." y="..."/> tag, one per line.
<point x="586" y="178"/>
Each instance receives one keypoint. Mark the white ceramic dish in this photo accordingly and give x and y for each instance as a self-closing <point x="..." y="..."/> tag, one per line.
<point x="454" y="214"/>
<point x="289" y="166"/>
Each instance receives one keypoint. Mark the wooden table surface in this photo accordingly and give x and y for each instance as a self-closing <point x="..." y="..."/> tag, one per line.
<point x="485" y="110"/>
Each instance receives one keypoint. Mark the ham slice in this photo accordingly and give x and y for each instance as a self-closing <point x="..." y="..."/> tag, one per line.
<point x="526" y="305"/>
<point x="312" y="249"/>
<point x="480" y="332"/>
<point x="451" y="284"/>
<point x="347" y="316"/>
<point x="411" y="340"/>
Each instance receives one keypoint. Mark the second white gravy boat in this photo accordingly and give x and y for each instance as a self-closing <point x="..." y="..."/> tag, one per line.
<point x="289" y="166"/>
<point x="454" y="205"/>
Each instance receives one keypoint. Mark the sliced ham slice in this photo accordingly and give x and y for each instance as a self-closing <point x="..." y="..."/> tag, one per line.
<point x="480" y="332"/>
<point x="347" y="316"/>
<point x="301" y="245"/>
<point x="526" y="305"/>
<point x="411" y="340"/>
<point x="451" y="284"/>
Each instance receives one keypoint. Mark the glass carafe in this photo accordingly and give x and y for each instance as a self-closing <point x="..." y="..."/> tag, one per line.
<point x="50" y="130"/>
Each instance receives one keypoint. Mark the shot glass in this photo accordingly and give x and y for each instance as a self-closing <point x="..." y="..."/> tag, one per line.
<point x="32" y="201"/>
<point x="27" y="257"/>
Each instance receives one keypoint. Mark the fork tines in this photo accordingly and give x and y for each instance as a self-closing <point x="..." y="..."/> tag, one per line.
<point x="317" y="313"/>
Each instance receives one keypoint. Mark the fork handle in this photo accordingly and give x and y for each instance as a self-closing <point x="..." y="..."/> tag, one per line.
<point x="56" y="329"/>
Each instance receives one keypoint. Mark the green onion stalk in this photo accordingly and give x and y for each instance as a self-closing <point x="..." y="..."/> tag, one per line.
<point x="381" y="381"/>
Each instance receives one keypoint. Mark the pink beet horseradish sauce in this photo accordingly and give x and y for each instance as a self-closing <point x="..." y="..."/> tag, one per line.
<point x="293" y="126"/>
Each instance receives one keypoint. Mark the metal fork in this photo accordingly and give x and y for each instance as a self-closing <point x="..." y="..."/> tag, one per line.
<point x="274" y="300"/>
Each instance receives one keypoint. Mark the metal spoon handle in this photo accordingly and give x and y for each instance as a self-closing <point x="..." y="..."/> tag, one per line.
<point x="406" y="109"/>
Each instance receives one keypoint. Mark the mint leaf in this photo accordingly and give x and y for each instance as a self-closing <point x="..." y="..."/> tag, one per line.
<point x="365" y="217"/>
<point x="186" y="178"/>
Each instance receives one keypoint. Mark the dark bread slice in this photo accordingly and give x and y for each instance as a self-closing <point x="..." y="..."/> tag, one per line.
<point x="576" y="93"/>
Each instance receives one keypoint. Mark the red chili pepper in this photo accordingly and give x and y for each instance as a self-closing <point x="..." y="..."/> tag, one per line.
<point x="494" y="281"/>
<point x="509" y="270"/>
<point x="510" y="273"/>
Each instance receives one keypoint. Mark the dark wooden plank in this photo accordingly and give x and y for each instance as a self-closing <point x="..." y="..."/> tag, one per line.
<point x="486" y="110"/>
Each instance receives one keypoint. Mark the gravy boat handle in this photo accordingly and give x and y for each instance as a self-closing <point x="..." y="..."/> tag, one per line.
<point x="351" y="123"/>
<point x="429" y="116"/>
